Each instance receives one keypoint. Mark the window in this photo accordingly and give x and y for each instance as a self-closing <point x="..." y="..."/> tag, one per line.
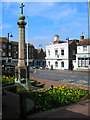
<point x="79" y="62"/>
<point x="86" y="62"/>
<point x="56" y="64"/>
<point x="15" y="48"/>
<point x="84" y="48"/>
<point x="56" y="52"/>
<point x="9" y="54"/>
<point x="83" y="62"/>
<point x="29" y="49"/>
<point x="62" y="64"/>
<point x="32" y="50"/>
<point x="32" y="55"/>
<point x="49" y="63"/>
<point x="3" y="46"/>
<point x="62" y="52"/>
<point x="73" y="52"/>
<point x="3" y="54"/>
<point x="48" y="52"/>
<point x="14" y="55"/>
<point x="9" y="47"/>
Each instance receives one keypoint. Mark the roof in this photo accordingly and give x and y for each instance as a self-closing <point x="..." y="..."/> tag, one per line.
<point x="58" y="41"/>
<point x="84" y="42"/>
<point x="70" y="42"/>
<point x="4" y="39"/>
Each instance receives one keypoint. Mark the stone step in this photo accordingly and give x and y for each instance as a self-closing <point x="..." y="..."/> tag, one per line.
<point x="40" y="84"/>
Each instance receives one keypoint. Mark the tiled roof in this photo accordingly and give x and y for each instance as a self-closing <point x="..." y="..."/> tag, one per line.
<point x="84" y="42"/>
<point x="58" y="41"/>
<point x="70" y="42"/>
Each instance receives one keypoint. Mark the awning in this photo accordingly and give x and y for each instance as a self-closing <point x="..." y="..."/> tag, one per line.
<point x="39" y="60"/>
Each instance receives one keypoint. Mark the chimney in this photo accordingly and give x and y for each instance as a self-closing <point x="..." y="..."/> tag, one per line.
<point x="56" y="37"/>
<point x="82" y="37"/>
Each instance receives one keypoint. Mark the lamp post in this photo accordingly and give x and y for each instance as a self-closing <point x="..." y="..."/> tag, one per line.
<point x="10" y="35"/>
<point x="68" y="51"/>
<point x="8" y="43"/>
<point x="27" y="56"/>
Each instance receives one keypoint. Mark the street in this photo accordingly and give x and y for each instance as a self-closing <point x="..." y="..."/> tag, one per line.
<point x="79" y="78"/>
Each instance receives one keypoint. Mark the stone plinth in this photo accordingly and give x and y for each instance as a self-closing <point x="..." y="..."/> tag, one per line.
<point x="21" y="74"/>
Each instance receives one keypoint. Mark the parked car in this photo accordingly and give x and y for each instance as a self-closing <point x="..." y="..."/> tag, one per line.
<point x="35" y="67"/>
<point x="41" y="67"/>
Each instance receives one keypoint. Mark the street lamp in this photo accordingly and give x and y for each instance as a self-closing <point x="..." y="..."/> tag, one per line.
<point x="68" y="51"/>
<point x="8" y="43"/>
<point x="10" y="35"/>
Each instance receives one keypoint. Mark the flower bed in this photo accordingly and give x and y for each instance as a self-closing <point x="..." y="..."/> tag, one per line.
<point x="6" y="80"/>
<point x="55" y="97"/>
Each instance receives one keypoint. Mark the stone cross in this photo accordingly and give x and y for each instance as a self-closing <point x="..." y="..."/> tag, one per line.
<point x="22" y="8"/>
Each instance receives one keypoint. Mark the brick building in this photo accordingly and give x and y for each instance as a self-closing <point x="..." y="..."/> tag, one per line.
<point x="39" y="57"/>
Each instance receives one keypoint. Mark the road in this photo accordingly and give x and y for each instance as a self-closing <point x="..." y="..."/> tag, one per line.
<point x="80" y="78"/>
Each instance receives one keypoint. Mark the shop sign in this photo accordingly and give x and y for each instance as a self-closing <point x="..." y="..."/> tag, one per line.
<point x="82" y="55"/>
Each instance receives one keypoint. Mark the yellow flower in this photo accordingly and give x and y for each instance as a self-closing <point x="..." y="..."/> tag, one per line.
<point x="46" y="89"/>
<point x="64" y="93"/>
<point x="62" y="86"/>
<point x="78" y="93"/>
<point x="65" y="85"/>
<point x="27" y="90"/>
<point x="70" y="90"/>
<point x="53" y="91"/>
<point x="36" y="106"/>
<point x="32" y="77"/>
<point x="85" y="88"/>
<point x="18" y="90"/>
<point x="75" y="91"/>
<point x="40" y="95"/>
<point x="59" y="86"/>
<point x="31" y="89"/>
<point x="80" y="87"/>
<point x="76" y="85"/>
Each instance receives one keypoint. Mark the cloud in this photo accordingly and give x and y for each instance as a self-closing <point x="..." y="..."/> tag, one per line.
<point x="6" y="25"/>
<point x="41" y="40"/>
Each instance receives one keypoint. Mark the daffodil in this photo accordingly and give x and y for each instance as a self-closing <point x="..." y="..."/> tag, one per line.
<point x="85" y="88"/>
<point x="40" y="95"/>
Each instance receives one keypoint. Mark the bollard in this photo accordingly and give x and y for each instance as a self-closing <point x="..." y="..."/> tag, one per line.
<point x="23" y="113"/>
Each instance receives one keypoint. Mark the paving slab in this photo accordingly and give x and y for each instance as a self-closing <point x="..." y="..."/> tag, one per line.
<point x="77" y="110"/>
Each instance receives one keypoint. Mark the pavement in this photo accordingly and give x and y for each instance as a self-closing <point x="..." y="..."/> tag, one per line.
<point x="11" y="106"/>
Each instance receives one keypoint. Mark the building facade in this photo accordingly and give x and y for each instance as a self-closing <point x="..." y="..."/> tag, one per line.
<point x="9" y="51"/>
<point x="39" y="57"/>
<point x="59" y="54"/>
<point x="83" y="55"/>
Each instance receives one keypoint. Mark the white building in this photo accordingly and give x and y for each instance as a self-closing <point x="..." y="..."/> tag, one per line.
<point x="57" y="55"/>
<point x="83" y="55"/>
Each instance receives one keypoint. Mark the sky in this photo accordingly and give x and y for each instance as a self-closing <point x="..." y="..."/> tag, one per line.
<point x="45" y="19"/>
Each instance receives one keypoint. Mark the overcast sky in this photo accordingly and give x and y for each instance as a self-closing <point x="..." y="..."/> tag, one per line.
<point x="45" y="19"/>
